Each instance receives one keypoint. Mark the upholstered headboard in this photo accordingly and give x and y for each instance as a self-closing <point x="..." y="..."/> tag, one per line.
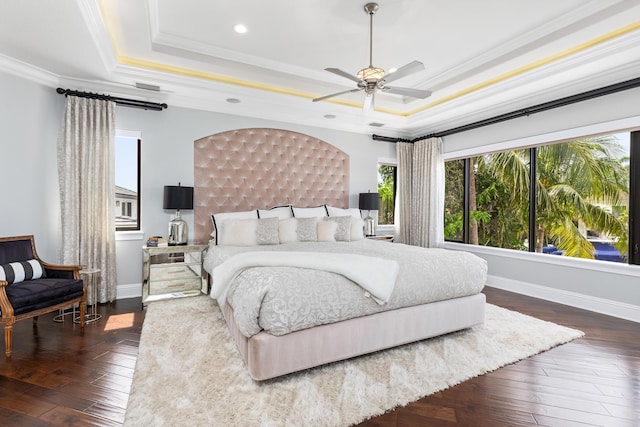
<point x="260" y="168"/>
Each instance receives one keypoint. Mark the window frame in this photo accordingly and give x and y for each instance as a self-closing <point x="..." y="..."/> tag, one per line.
<point x="395" y="187"/>
<point x="137" y="226"/>
<point x="634" y="178"/>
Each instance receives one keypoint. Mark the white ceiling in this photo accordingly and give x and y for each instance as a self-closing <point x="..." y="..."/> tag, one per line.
<point x="482" y="58"/>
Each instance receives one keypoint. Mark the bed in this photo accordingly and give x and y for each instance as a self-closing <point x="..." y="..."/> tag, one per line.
<point x="292" y="300"/>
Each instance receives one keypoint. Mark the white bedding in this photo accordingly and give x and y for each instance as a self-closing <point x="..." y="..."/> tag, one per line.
<point x="376" y="276"/>
<point x="280" y="300"/>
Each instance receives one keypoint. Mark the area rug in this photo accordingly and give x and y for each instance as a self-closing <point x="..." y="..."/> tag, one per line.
<point x="189" y="372"/>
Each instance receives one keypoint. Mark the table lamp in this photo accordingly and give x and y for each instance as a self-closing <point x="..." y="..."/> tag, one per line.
<point x="178" y="197"/>
<point x="369" y="202"/>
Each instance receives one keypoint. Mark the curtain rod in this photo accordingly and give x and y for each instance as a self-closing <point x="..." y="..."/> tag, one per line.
<point x="119" y="101"/>
<point x="584" y="96"/>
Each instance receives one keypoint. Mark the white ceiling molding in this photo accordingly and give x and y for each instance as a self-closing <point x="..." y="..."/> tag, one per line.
<point x="28" y="71"/>
<point x="95" y="26"/>
<point x="487" y="61"/>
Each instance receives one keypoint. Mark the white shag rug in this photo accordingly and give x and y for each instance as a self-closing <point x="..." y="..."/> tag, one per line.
<point x="189" y="372"/>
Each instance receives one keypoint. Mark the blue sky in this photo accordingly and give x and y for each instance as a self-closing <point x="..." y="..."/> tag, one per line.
<point x="126" y="163"/>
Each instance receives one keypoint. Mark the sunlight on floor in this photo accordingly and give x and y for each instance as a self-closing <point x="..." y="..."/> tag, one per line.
<point x="119" y="321"/>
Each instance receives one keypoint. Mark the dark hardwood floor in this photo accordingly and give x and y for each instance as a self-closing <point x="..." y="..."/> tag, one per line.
<point x="60" y="376"/>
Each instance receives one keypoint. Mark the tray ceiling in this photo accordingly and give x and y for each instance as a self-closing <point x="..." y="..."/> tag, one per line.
<point x="481" y="58"/>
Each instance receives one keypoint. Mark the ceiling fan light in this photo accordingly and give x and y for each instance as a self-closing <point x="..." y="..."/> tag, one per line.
<point x="240" y="28"/>
<point x="371" y="73"/>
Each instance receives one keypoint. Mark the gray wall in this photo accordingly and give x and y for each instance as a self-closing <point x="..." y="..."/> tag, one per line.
<point x="30" y="116"/>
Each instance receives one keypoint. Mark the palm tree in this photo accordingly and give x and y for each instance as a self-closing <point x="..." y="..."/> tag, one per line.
<point x="577" y="182"/>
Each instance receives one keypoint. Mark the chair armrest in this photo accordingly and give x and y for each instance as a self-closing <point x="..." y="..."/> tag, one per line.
<point x="6" y="309"/>
<point x="62" y="271"/>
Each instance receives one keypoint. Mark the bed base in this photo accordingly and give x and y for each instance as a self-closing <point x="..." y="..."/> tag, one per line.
<point x="267" y="356"/>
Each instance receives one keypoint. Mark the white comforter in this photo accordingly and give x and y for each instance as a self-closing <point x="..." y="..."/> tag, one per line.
<point x="376" y="276"/>
<point x="280" y="300"/>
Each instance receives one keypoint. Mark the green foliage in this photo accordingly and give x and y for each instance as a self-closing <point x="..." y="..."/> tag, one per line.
<point x="386" y="174"/>
<point x="505" y="224"/>
<point x="578" y="183"/>
<point x="454" y="193"/>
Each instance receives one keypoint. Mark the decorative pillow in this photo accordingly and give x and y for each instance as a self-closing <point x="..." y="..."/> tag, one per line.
<point x="287" y="230"/>
<point x="239" y="232"/>
<point x="307" y="229"/>
<point x="280" y="212"/>
<point x="267" y="231"/>
<point x="354" y="212"/>
<point x="343" y="232"/>
<point x="357" y="229"/>
<point x="327" y="231"/>
<point x="219" y="218"/>
<point x="309" y="212"/>
<point x="15" y="272"/>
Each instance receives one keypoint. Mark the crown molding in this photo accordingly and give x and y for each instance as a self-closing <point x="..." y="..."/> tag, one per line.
<point x="28" y="71"/>
<point x="511" y="47"/>
<point x="95" y="23"/>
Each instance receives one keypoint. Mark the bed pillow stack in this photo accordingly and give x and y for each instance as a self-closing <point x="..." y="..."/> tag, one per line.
<point x="284" y="224"/>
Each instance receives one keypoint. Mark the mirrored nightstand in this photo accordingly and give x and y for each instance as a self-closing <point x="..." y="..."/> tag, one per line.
<point x="173" y="272"/>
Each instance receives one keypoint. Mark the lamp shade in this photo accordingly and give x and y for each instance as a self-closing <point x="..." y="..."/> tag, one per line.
<point x="369" y="201"/>
<point x="177" y="197"/>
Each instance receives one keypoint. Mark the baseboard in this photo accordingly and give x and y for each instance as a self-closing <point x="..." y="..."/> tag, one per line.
<point x="573" y="299"/>
<point x="129" y="291"/>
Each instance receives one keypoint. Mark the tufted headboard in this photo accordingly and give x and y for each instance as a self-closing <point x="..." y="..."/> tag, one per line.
<point x="260" y="168"/>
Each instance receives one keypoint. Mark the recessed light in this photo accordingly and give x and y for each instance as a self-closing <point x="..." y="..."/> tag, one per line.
<point x="233" y="100"/>
<point x="239" y="28"/>
<point x="329" y="116"/>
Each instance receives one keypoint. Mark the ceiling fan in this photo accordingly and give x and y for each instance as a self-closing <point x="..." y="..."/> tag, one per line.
<point x="372" y="79"/>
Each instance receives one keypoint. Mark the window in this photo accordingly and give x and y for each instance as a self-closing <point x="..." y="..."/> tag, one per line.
<point x="387" y="191"/>
<point x="579" y="206"/>
<point x="127" y="167"/>
<point x="454" y="200"/>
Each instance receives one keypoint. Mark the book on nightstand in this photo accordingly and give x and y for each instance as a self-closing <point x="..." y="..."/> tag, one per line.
<point x="157" y="242"/>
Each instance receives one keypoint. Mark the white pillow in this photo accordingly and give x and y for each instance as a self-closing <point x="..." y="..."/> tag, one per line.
<point x="354" y="212"/>
<point x="280" y="212"/>
<point x="287" y="230"/>
<point x="309" y="212"/>
<point x="219" y="218"/>
<point x="239" y="232"/>
<point x="343" y="231"/>
<point x="327" y="231"/>
<point x="357" y="229"/>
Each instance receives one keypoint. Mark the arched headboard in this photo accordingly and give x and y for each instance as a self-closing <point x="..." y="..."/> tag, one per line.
<point x="259" y="168"/>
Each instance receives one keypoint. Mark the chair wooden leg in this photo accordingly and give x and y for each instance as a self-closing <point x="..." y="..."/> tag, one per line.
<point x="8" y="338"/>
<point x="83" y="311"/>
<point x="35" y="321"/>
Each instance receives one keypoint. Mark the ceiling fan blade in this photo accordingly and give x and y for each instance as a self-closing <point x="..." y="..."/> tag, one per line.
<point x="405" y="70"/>
<point x="405" y="91"/>
<point x="343" y="74"/>
<point x="336" y="94"/>
<point x="368" y="101"/>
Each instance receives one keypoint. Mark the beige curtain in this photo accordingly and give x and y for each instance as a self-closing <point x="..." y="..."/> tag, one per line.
<point x="86" y="173"/>
<point x="420" y="193"/>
